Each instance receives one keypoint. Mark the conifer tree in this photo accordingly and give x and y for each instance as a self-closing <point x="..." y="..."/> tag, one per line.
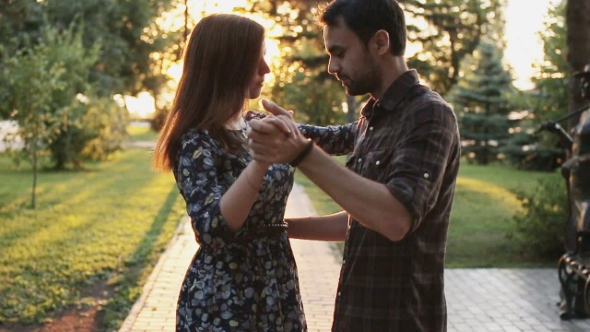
<point x="481" y="103"/>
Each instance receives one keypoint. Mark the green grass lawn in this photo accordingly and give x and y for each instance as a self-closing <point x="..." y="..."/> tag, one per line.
<point x="482" y="215"/>
<point x="138" y="133"/>
<point x="106" y="226"/>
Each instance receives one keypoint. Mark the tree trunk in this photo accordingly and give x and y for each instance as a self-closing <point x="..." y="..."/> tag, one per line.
<point x="578" y="42"/>
<point x="34" y="189"/>
<point x="185" y="32"/>
<point x="35" y="168"/>
<point x="351" y="115"/>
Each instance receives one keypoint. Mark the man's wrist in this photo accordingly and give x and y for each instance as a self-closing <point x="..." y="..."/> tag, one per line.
<point x="304" y="153"/>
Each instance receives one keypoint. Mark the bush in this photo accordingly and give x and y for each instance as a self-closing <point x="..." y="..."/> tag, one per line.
<point x="94" y="130"/>
<point x="541" y="222"/>
<point x="159" y="119"/>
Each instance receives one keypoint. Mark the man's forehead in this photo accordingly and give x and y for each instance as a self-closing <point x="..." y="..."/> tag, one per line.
<point x="337" y="35"/>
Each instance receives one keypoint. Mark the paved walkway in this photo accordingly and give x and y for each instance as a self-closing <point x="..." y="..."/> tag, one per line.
<point x="477" y="299"/>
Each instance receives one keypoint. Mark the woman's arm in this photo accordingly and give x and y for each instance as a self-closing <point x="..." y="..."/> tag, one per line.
<point x="237" y="201"/>
<point x="217" y="209"/>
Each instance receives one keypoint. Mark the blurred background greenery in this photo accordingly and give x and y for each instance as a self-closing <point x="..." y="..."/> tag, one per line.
<point x="85" y="82"/>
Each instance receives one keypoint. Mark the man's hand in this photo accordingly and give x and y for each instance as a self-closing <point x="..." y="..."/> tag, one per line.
<point x="275" y="139"/>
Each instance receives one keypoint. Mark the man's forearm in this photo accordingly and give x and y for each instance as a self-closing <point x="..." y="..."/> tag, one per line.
<point x="327" y="228"/>
<point x="369" y="202"/>
<point x="334" y="140"/>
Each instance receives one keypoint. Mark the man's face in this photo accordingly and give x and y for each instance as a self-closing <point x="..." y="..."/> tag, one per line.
<point x="350" y="60"/>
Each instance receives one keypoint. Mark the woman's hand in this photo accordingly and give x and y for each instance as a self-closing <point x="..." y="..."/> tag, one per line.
<point x="275" y="139"/>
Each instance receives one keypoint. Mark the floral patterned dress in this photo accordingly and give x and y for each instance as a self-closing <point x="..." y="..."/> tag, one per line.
<point x="242" y="281"/>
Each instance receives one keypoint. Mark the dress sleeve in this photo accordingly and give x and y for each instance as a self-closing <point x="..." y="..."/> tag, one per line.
<point x="335" y="140"/>
<point x="420" y="161"/>
<point x="198" y="176"/>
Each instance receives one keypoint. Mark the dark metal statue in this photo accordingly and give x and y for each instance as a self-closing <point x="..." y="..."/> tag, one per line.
<point x="574" y="265"/>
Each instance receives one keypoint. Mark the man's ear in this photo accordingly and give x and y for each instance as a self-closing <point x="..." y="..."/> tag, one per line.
<point x="381" y="42"/>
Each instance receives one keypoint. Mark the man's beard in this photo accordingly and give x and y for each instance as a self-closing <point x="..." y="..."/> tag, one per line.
<point x="366" y="82"/>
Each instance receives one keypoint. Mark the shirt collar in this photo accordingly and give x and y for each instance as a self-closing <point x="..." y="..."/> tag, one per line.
<point x="394" y="94"/>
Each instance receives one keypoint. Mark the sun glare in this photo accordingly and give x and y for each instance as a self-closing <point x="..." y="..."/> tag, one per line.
<point x="143" y="106"/>
<point x="523" y="45"/>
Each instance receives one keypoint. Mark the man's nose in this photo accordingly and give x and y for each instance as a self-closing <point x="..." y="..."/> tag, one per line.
<point x="333" y="67"/>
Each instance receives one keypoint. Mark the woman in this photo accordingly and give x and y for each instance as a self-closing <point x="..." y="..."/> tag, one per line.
<point x="243" y="277"/>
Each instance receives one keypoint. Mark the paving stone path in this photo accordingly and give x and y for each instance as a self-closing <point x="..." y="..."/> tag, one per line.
<point x="519" y="300"/>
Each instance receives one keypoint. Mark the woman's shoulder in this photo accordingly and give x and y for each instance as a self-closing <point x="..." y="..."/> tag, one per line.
<point x="194" y="139"/>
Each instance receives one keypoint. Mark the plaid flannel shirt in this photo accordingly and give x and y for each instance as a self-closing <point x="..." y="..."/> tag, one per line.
<point x="409" y="141"/>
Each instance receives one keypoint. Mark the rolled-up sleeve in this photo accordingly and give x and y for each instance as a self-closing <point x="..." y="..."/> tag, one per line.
<point x="419" y="161"/>
<point x="197" y="177"/>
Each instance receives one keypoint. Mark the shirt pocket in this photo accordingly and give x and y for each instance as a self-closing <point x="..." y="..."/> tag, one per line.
<point x="375" y="165"/>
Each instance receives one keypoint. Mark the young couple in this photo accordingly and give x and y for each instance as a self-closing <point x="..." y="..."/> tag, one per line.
<point x="235" y="171"/>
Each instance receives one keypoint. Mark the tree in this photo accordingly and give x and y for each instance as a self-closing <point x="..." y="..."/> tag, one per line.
<point x="448" y="31"/>
<point x="481" y="101"/>
<point x="65" y="129"/>
<point x="548" y="101"/>
<point x="302" y="72"/>
<point x="552" y="75"/>
<point x="578" y="42"/>
<point x="128" y="30"/>
<point x="30" y="78"/>
<point x="134" y="57"/>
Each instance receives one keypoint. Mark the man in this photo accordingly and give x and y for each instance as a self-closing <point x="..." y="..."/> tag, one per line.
<point x="398" y="185"/>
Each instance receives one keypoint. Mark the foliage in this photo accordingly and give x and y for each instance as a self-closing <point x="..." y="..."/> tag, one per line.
<point x="302" y="80"/>
<point x="318" y="102"/>
<point x="130" y="33"/>
<point x="157" y="123"/>
<point x="32" y="81"/>
<point x="70" y="122"/>
<point x="524" y="151"/>
<point x="102" y="129"/>
<point x="541" y="222"/>
<point x="109" y="231"/>
<point x="552" y="73"/>
<point x="447" y="32"/>
<point x="481" y="218"/>
<point x="548" y="101"/>
<point x="126" y="64"/>
<point x="481" y="100"/>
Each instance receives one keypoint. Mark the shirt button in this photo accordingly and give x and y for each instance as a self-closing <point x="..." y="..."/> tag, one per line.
<point x="371" y="129"/>
<point x="360" y="159"/>
<point x="338" y="293"/>
<point x="426" y="175"/>
<point x="377" y="163"/>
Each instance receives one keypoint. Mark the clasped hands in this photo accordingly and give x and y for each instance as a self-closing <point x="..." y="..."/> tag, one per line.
<point x="275" y="139"/>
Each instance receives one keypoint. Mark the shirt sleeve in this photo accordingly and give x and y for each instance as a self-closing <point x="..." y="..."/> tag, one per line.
<point x="335" y="140"/>
<point x="198" y="180"/>
<point x="420" y="161"/>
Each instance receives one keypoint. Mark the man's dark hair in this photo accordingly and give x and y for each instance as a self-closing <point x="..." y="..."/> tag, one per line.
<point x="366" y="17"/>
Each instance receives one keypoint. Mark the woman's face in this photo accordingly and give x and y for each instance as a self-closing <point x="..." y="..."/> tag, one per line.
<point x="257" y="81"/>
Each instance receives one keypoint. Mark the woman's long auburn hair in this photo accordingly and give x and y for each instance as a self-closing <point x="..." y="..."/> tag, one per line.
<point x="220" y="60"/>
